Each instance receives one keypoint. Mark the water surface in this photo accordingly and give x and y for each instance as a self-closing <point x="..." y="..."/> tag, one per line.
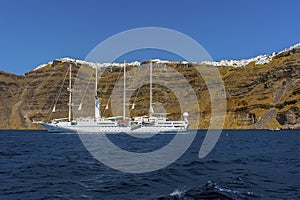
<point x="243" y="165"/>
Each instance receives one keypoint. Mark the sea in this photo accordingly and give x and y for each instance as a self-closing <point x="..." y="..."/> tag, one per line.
<point x="244" y="164"/>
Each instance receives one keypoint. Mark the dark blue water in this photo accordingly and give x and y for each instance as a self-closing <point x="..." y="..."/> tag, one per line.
<point x="243" y="165"/>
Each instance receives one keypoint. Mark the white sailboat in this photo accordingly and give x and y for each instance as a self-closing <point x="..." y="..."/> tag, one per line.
<point x="153" y="123"/>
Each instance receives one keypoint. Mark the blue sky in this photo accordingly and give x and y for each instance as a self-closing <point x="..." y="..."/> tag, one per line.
<point x="36" y="32"/>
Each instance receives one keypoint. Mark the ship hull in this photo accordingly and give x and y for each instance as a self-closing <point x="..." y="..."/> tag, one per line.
<point x="67" y="127"/>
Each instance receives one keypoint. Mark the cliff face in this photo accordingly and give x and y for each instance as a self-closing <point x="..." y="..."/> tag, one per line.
<point x="265" y="96"/>
<point x="258" y="95"/>
<point x="24" y="98"/>
<point x="9" y="95"/>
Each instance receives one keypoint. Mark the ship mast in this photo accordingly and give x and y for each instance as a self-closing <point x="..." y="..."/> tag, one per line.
<point x="124" y="92"/>
<point x="70" y="92"/>
<point x="150" y="106"/>
<point x="97" y="100"/>
<point x="96" y="86"/>
<point x="96" y="81"/>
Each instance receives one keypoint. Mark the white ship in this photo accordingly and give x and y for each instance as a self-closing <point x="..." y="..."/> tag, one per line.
<point x="153" y="123"/>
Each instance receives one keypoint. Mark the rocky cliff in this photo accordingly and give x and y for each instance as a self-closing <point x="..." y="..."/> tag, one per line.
<point x="260" y="95"/>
